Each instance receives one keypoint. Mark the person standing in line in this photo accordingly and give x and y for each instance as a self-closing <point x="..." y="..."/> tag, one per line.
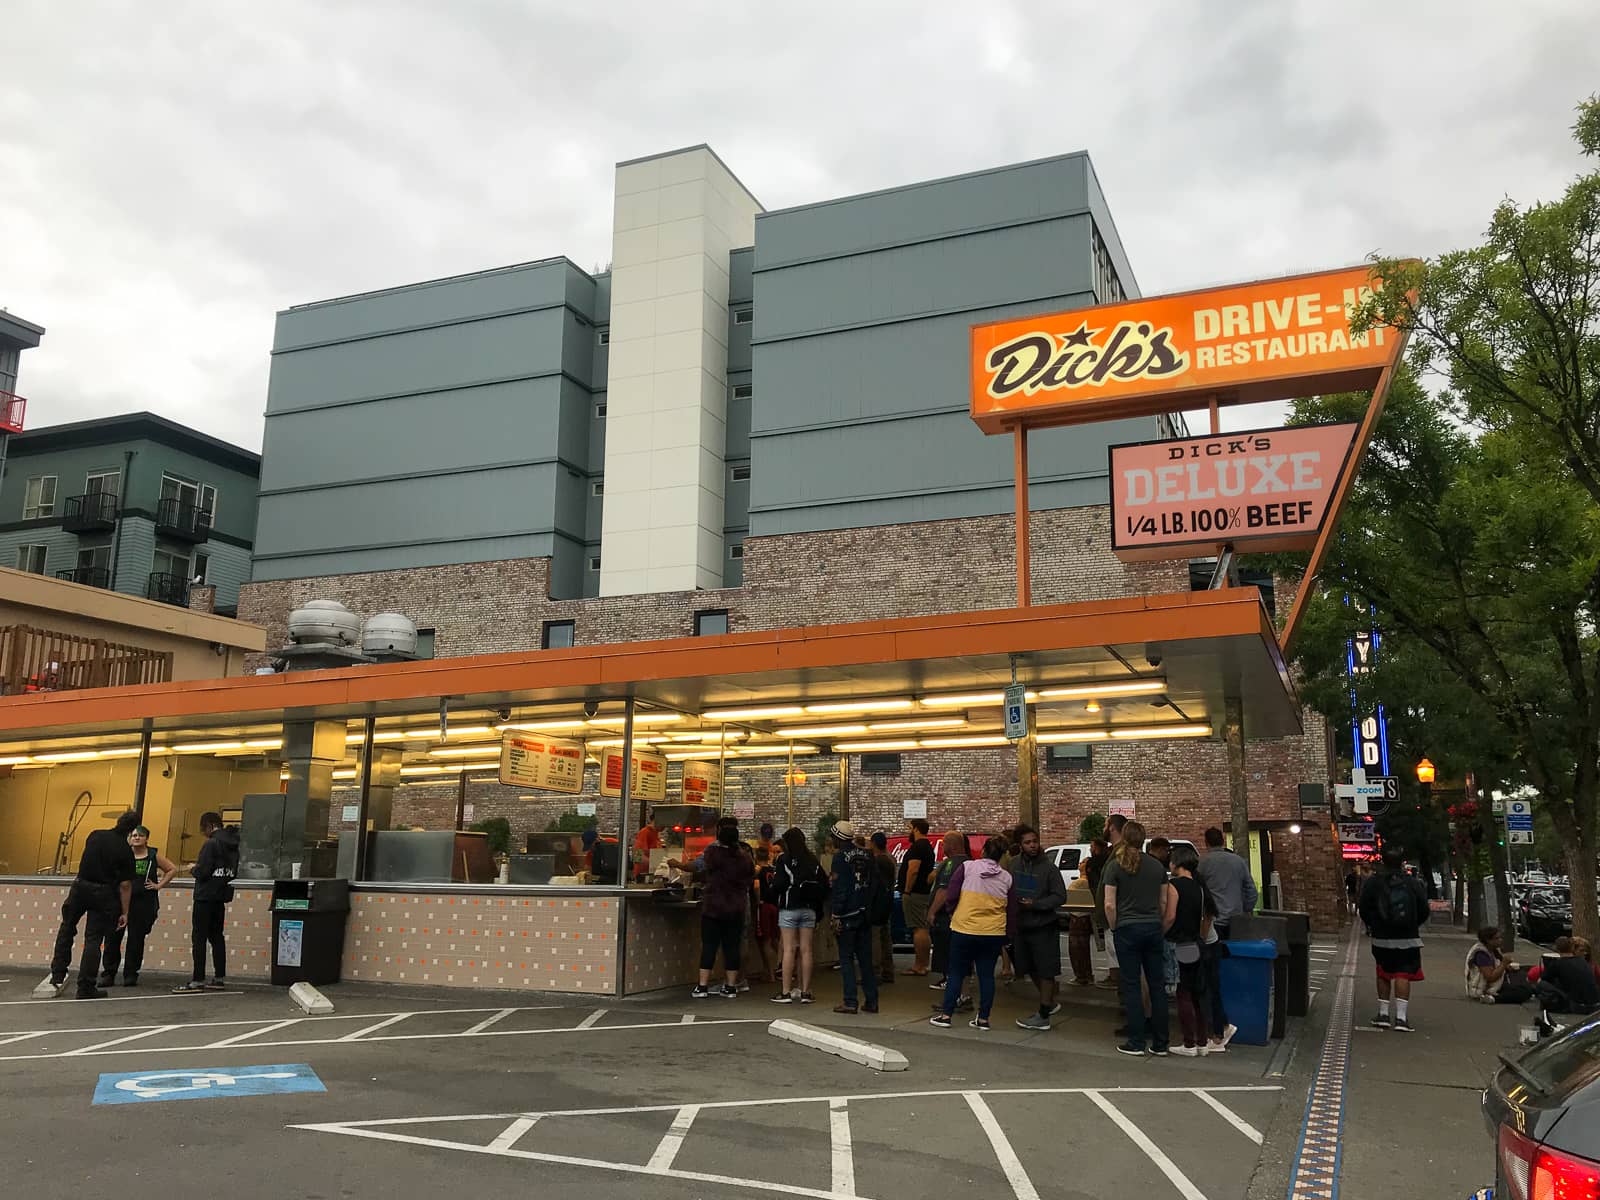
<point x="768" y="940"/>
<point x="1136" y="904"/>
<point x="883" y="935"/>
<point x="1036" y="948"/>
<point x="1394" y="907"/>
<point x="99" y="897"/>
<point x="858" y="899"/>
<point x="985" y="918"/>
<point x="916" y="889"/>
<point x="1189" y="914"/>
<point x="1227" y="879"/>
<point x="727" y="872"/>
<point x="151" y="872"/>
<point x="214" y="870"/>
<point x="1114" y="826"/>
<point x="1080" y="930"/>
<point x="801" y="887"/>
<point x="1090" y="870"/>
<point x="940" y="909"/>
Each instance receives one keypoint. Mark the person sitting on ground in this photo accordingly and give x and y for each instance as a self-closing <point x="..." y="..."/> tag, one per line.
<point x="1567" y="984"/>
<point x="1491" y="977"/>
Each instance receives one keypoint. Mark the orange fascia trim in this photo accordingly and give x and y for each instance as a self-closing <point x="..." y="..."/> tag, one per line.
<point x="615" y="669"/>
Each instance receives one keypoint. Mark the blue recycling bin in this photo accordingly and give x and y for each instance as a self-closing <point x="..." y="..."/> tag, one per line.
<point x="1247" y="989"/>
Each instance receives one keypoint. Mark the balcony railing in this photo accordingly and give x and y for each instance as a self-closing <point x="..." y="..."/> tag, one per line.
<point x="99" y="577"/>
<point x="90" y="513"/>
<point x="12" y="410"/>
<point x="180" y="519"/>
<point x="41" y="660"/>
<point x="169" y="589"/>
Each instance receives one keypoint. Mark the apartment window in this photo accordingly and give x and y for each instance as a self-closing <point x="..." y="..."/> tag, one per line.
<point x="743" y="316"/>
<point x="1107" y="287"/>
<point x="166" y="562"/>
<point x="594" y="562"/>
<point x="711" y="622"/>
<point x="40" y="498"/>
<point x="557" y="635"/>
<point x="31" y="559"/>
<point x="103" y="483"/>
<point x="743" y="391"/>
<point x="208" y="500"/>
<point x="736" y="550"/>
<point x="94" y="558"/>
<point x="202" y="568"/>
<point x="600" y="412"/>
<point x="603" y="337"/>
<point x="597" y="488"/>
<point x="880" y="764"/>
<point x="1069" y="756"/>
<point x="424" y="643"/>
<point x="741" y="473"/>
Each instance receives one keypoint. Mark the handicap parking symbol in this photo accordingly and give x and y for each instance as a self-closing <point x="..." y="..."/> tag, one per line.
<point x="205" y="1083"/>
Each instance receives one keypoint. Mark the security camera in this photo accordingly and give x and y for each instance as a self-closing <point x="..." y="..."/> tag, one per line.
<point x="590" y="708"/>
<point x="1152" y="656"/>
<point x="502" y="714"/>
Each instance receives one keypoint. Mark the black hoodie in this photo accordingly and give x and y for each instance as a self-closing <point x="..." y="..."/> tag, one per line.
<point x="218" y="863"/>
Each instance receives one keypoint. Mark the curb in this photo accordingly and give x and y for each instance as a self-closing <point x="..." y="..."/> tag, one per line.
<point x="868" y="1054"/>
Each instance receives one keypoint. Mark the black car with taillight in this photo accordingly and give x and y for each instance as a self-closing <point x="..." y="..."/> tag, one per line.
<point x="1543" y="1111"/>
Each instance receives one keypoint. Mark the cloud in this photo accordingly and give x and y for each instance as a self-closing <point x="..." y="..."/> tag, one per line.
<point x="174" y="175"/>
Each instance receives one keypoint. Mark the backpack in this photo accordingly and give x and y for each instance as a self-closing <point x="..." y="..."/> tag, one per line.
<point x="796" y="888"/>
<point x="864" y="900"/>
<point x="1397" y="902"/>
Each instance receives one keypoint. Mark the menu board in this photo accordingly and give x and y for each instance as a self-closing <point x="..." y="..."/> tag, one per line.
<point x="702" y="783"/>
<point x="649" y="775"/>
<point x="529" y="760"/>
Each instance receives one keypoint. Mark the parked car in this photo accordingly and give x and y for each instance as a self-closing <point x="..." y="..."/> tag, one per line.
<point x="1544" y="912"/>
<point x="1543" y="1112"/>
<point x="1068" y="857"/>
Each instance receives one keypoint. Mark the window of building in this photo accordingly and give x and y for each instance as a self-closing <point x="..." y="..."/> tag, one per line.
<point x="1107" y="287"/>
<point x="40" y="498"/>
<point x="103" y="483"/>
<point x="600" y="412"/>
<point x="94" y="558"/>
<point x="743" y="391"/>
<point x="736" y="550"/>
<point x="711" y="622"/>
<point x="201" y="571"/>
<point x="880" y="764"/>
<point x="424" y="643"/>
<point x="594" y="562"/>
<point x="1069" y="756"/>
<point x="597" y="488"/>
<point x="557" y="635"/>
<point x="32" y="559"/>
<point x="603" y="337"/>
<point x="208" y="500"/>
<point x="740" y="473"/>
<point x="170" y="562"/>
<point x="743" y="316"/>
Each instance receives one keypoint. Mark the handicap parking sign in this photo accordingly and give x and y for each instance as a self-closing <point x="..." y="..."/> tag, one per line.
<point x="205" y="1083"/>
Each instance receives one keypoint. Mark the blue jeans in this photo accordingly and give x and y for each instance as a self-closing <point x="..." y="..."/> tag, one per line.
<point x="1139" y="949"/>
<point x="855" y="948"/>
<point x="969" y="950"/>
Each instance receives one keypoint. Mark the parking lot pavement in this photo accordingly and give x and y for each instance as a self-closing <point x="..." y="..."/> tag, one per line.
<point x="420" y="1092"/>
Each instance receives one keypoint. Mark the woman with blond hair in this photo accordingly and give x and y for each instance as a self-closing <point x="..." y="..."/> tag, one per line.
<point x="1136" y="910"/>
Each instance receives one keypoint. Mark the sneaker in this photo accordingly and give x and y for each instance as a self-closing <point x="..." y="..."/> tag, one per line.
<point x="1160" y="1051"/>
<point x="1081" y="982"/>
<point x="1188" y="1051"/>
<point x="848" y="1010"/>
<point x="1130" y="1049"/>
<point x="1035" y="1021"/>
<point x="216" y="985"/>
<point x="936" y="987"/>
<point x="807" y="998"/>
<point x="130" y="981"/>
<point x="701" y="991"/>
<point x="980" y="1023"/>
<point x="1109" y="985"/>
<point x="1401" y="1025"/>
<point x="1216" y="1047"/>
<point x="1381" y="1022"/>
<point x="1055" y="1010"/>
<point x="743" y="986"/>
<point x="964" y="1004"/>
<point x="783" y="998"/>
<point x="942" y="1020"/>
<point x="194" y="985"/>
<point x="728" y="993"/>
<point x="106" y="981"/>
<point x="1227" y="1033"/>
<point x="93" y="994"/>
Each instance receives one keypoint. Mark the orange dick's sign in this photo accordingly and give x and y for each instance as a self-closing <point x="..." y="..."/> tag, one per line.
<point x="1265" y="490"/>
<point x="1275" y="339"/>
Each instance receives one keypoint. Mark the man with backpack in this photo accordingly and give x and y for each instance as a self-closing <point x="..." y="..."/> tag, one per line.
<point x="1394" y="906"/>
<point x="859" y="902"/>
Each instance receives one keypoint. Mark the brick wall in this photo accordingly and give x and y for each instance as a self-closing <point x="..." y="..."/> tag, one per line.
<point x="857" y="575"/>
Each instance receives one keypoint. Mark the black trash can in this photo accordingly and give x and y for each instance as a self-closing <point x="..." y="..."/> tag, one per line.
<point x="308" y="920"/>
<point x="1269" y="928"/>
<point x="1299" y="981"/>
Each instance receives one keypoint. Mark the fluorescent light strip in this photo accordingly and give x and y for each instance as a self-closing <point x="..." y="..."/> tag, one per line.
<point x="206" y="747"/>
<point x="642" y="739"/>
<point x="867" y="747"/>
<point x="1163" y="731"/>
<point x="917" y="723"/>
<point x="463" y="751"/>
<point x="638" y="719"/>
<point x="1133" y="687"/>
<point x="752" y="714"/>
<point x="951" y="743"/>
<point x="855" y="706"/>
<point x="543" y="726"/>
<point x="970" y="700"/>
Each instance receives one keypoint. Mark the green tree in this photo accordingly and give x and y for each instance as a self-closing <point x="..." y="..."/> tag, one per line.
<point x="1091" y="827"/>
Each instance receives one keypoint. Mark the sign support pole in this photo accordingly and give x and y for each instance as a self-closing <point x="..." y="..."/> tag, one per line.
<point x="360" y="857"/>
<point x="1238" y="791"/>
<point x="142" y="771"/>
<point x="1024" y="567"/>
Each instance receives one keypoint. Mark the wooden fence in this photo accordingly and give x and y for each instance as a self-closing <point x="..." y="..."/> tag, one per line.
<point x="42" y="660"/>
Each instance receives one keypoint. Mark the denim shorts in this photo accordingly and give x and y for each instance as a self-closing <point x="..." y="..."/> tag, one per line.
<point x="797" y="918"/>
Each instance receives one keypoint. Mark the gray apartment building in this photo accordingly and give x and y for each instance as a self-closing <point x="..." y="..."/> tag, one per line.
<point x="135" y="503"/>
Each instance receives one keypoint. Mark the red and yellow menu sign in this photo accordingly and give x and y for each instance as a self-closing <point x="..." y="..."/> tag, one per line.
<point x="1276" y="339"/>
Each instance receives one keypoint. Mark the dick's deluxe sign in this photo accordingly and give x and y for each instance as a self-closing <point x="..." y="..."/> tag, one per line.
<point x="1265" y="490"/>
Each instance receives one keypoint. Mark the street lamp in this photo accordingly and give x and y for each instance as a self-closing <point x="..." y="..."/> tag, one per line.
<point x="1425" y="771"/>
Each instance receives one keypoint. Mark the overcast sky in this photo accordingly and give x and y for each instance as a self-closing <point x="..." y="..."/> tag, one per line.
<point x="172" y="174"/>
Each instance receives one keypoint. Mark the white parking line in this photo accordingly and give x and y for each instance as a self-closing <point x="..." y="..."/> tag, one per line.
<point x="130" y="999"/>
<point x="672" y="1141"/>
<point x="592" y="1019"/>
<point x="250" y="1033"/>
<point x="1016" y="1176"/>
<point x="20" y="1037"/>
<point x="1154" y="1152"/>
<point x="508" y="1136"/>
<point x="132" y="1037"/>
<point x="1231" y="1117"/>
<point x="360" y="1033"/>
<point x="843" y="1153"/>
<point x="501" y="1015"/>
